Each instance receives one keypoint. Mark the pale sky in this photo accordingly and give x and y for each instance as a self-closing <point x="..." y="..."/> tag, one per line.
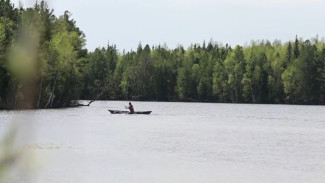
<point x="128" y="22"/>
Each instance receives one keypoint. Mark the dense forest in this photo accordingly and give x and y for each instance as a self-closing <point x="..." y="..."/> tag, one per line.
<point x="44" y="64"/>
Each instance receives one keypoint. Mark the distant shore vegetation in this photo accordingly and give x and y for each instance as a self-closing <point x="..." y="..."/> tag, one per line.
<point x="44" y="64"/>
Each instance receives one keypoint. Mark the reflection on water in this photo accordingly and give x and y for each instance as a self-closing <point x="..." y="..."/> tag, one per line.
<point x="178" y="142"/>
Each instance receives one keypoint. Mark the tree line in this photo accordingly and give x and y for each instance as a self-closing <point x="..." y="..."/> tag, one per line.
<point x="263" y="72"/>
<point x="44" y="64"/>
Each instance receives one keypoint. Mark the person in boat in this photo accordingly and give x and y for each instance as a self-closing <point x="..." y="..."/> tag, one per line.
<point x="131" y="108"/>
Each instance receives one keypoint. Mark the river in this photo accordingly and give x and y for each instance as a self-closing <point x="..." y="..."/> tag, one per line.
<point x="178" y="142"/>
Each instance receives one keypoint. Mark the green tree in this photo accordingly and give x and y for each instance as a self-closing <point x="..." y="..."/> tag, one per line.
<point x="321" y="71"/>
<point x="8" y="18"/>
<point x="296" y="51"/>
<point x="8" y="10"/>
<point x="99" y="82"/>
<point x="235" y="68"/>
<point x="64" y="64"/>
<point x="300" y="79"/>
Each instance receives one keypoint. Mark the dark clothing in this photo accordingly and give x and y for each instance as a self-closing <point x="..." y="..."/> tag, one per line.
<point x="131" y="108"/>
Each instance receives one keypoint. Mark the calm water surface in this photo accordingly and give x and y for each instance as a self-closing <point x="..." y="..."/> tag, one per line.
<point x="178" y="142"/>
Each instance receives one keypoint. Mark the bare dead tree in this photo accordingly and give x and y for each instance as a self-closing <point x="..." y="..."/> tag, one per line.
<point x="91" y="101"/>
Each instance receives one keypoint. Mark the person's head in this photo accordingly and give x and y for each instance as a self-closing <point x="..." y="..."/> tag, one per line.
<point x="130" y="103"/>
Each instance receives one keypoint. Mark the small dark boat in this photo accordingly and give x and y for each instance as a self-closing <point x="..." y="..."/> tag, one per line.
<point x="128" y="112"/>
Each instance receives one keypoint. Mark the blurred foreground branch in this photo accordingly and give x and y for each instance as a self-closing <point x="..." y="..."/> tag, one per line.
<point x="8" y="154"/>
